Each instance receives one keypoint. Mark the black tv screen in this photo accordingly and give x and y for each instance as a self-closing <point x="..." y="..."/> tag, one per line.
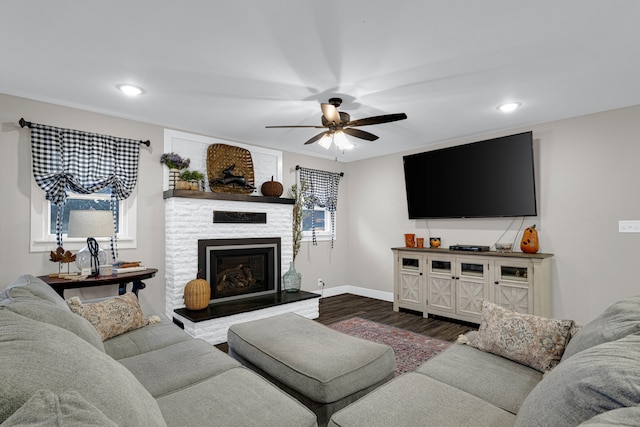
<point x="492" y="178"/>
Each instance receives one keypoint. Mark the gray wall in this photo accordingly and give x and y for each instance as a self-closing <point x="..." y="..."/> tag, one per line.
<point x="587" y="171"/>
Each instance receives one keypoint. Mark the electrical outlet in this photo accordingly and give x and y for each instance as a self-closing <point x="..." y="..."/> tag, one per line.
<point x="320" y="283"/>
<point x="629" y="226"/>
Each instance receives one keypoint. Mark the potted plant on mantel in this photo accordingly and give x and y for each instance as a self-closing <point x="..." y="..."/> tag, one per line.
<point x="175" y="163"/>
<point x="190" y="180"/>
<point x="292" y="280"/>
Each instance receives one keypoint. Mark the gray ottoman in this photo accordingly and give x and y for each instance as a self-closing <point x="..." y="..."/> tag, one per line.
<point x="324" y="369"/>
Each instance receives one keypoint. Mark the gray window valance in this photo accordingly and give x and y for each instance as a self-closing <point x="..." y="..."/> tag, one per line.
<point x="84" y="163"/>
<point x="320" y="189"/>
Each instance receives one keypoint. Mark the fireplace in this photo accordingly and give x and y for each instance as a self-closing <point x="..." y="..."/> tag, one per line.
<point x="240" y="268"/>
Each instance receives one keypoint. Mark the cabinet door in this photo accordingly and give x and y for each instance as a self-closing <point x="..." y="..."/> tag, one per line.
<point x="410" y="282"/>
<point x="472" y="286"/>
<point x="441" y="290"/>
<point x="512" y="286"/>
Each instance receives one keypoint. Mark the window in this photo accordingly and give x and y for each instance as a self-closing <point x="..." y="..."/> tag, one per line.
<point x="43" y="217"/>
<point x="322" y="221"/>
<point x="98" y="201"/>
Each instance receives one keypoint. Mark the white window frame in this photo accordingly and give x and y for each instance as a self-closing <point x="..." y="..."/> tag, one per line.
<point x="43" y="241"/>
<point x="321" y="234"/>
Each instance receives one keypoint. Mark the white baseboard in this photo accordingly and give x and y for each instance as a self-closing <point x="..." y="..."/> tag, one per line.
<point x="356" y="290"/>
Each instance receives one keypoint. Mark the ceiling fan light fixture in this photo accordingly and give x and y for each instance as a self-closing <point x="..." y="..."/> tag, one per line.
<point x="341" y="141"/>
<point x="508" y="107"/>
<point x="325" y="142"/>
<point x="130" y="90"/>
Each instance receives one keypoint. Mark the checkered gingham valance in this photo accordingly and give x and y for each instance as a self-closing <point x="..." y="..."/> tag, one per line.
<point x="83" y="163"/>
<point x="320" y="188"/>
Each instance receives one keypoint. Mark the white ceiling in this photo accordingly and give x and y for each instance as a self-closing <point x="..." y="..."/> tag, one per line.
<point x="228" y="69"/>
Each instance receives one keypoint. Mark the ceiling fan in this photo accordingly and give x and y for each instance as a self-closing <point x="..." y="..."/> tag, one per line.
<point x="339" y="123"/>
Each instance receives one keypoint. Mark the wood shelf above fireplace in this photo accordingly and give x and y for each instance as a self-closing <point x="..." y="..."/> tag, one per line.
<point x="206" y="195"/>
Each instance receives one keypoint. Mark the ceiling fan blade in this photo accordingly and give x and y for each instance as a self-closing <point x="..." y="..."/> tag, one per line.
<point x="360" y="134"/>
<point x="317" y="137"/>
<point x="377" y="119"/>
<point x="330" y="112"/>
<point x="295" y="126"/>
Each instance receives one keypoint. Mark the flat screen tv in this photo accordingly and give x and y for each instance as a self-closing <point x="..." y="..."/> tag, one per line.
<point x="492" y="178"/>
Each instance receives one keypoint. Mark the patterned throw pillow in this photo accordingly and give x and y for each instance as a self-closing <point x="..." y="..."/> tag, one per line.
<point x="534" y="341"/>
<point x="111" y="317"/>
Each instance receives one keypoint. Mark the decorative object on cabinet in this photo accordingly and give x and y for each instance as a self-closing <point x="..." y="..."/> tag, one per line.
<point x="435" y="242"/>
<point x="271" y="188"/>
<point x="409" y="240"/>
<point x="62" y="257"/>
<point x="230" y="169"/>
<point x="504" y="247"/>
<point x="420" y="242"/>
<point x="91" y="224"/>
<point x="529" y="243"/>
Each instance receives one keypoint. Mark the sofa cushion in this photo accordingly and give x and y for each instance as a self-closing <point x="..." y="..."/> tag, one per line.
<point x="623" y="417"/>
<point x="593" y="381"/>
<point x="21" y="300"/>
<point x="501" y="382"/>
<point x="618" y="320"/>
<point x="112" y="317"/>
<point x="181" y="364"/>
<point x="417" y="400"/>
<point x="236" y="397"/>
<point x="149" y="338"/>
<point x="38" y="288"/>
<point x="534" y="341"/>
<point x="69" y="409"/>
<point x="35" y="355"/>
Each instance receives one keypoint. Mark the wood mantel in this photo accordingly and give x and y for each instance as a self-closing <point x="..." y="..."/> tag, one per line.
<point x="226" y="196"/>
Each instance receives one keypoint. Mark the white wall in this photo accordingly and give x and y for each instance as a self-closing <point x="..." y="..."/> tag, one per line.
<point x="587" y="178"/>
<point x="588" y="174"/>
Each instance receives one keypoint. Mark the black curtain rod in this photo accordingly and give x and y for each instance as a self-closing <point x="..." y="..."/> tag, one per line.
<point x="298" y="168"/>
<point x="24" y="123"/>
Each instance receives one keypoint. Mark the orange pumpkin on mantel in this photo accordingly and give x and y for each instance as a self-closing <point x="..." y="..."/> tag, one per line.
<point x="529" y="243"/>
<point x="272" y="188"/>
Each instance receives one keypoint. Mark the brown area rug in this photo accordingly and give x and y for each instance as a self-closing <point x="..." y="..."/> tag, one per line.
<point x="411" y="349"/>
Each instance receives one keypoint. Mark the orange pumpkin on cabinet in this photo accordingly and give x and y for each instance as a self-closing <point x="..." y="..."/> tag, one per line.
<point x="529" y="243"/>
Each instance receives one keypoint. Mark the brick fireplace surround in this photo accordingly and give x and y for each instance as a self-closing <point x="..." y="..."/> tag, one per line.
<point x="189" y="218"/>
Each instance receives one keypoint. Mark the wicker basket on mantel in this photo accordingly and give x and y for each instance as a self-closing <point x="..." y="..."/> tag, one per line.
<point x="220" y="157"/>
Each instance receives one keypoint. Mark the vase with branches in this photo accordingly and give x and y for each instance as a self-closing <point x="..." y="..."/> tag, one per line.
<point x="292" y="280"/>
<point x="296" y="194"/>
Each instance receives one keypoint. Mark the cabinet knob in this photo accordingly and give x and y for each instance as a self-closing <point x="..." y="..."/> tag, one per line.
<point x="497" y="283"/>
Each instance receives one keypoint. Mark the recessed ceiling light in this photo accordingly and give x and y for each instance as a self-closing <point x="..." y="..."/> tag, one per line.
<point x="130" y="90"/>
<point x="509" y="107"/>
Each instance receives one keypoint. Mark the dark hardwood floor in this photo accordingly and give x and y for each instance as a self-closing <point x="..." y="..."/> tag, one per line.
<point x="341" y="307"/>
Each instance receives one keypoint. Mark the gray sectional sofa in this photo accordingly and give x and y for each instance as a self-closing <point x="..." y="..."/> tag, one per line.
<point x="55" y="369"/>
<point x="596" y="382"/>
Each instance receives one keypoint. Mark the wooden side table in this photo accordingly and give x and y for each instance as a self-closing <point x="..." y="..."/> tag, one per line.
<point x="135" y="277"/>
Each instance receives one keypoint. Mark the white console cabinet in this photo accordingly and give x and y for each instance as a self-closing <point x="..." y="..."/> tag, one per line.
<point x="453" y="283"/>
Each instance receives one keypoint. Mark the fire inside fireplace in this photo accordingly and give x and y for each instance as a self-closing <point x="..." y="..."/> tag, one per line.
<point x="239" y="268"/>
